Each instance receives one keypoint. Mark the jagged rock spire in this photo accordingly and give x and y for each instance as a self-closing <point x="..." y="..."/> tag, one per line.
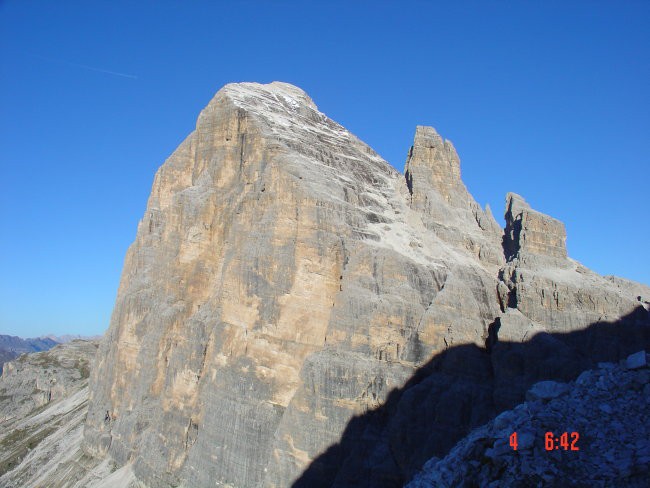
<point x="438" y="194"/>
<point x="532" y="233"/>
<point x="433" y="163"/>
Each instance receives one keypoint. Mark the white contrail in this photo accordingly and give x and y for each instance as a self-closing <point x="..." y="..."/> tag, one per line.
<point x="100" y="70"/>
<point x="85" y="66"/>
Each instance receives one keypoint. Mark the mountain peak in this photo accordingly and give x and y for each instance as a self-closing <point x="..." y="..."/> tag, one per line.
<point x="531" y="234"/>
<point x="426" y="136"/>
<point x="276" y="94"/>
<point x="433" y="162"/>
<point x="283" y="280"/>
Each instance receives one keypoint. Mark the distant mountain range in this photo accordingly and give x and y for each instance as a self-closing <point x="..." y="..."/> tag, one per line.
<point x="12" y="346"/>
<point x="70" y="337"/>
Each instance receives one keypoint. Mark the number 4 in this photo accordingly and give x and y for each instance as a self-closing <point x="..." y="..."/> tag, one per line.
<point x="513" y="441"/>
<point x="564" y="441"/>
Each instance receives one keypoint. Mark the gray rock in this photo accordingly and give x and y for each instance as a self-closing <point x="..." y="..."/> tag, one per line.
<point x="34" y="380"/>
<point x="525" y="439"/>
<point x="636" y="360"/>
<point x="614" y="449"/>
<point x="550" y="290"/>
<point x="285" y="286"/>
<point x="504" y="420"/>
<point x="284" y="279"/>
<point x="530" y="233"/>
<point x="43" y="405"/>
<point x="500" y="448"/>
<point x="437" y="193"/>
<point x="273" y="293"/>
<point x="546" y="390"/>
<point x="642" y="377"/>
<point x="605" y="408"/>
<point x="585" y="377"/>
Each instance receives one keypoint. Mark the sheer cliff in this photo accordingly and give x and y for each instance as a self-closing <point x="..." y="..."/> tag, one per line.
<point x="285" y="280"/>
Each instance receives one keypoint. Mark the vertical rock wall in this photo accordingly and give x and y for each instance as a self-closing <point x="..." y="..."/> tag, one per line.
<point x="285" y="279"/>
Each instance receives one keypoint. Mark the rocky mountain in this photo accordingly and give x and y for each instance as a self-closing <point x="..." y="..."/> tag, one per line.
<point x="11" y="346"/>
<point x="605" y="445"/>
<point x="285" y="279"/>
<point x="62" y="339"/>
<point x="43" y="404"/>
<point x="295" y="312"/>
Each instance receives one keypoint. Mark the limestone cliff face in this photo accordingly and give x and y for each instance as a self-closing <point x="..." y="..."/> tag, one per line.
<point x="285" y="278"/>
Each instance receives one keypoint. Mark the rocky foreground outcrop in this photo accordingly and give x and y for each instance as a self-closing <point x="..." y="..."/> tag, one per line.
<point x="43" y="405"/>
<point x="294" y="311"/>
<point x="608" y="443"/>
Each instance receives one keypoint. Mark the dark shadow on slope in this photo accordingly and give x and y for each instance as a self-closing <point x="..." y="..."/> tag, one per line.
<point x="459" y="389"/>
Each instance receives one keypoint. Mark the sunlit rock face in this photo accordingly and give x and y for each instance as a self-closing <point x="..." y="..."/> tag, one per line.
<point x="285" y="278"/>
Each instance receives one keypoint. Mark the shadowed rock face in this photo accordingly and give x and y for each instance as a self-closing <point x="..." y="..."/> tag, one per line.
<point x="285" y="278"/>
<point x="607" y="445"/>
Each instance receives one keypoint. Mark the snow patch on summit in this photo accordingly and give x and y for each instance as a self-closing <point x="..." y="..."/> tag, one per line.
<point x="291" y="102"/>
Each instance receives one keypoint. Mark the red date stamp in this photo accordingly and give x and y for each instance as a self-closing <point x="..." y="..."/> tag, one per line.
<point x="554" y="443"/>
<point x="567" y="441"/>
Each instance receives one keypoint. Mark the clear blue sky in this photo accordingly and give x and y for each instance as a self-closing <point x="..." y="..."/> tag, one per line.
<point x="547" y="99"/>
